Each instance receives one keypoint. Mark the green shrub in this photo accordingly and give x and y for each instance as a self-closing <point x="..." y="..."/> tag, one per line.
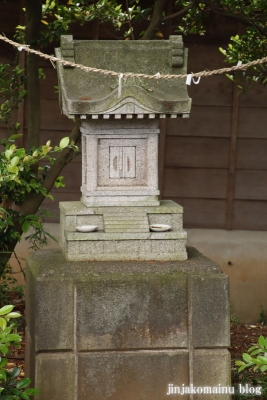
<point x="10" y="387"/>
<point x="253" y="367"/>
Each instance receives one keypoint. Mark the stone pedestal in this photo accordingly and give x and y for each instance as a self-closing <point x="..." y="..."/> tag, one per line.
<point x="123" y="232"/>
<point x="126" y="330"/>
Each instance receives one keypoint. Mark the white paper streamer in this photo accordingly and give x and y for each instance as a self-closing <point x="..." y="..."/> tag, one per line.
<point x="157" y="74"/>
<point x="197" y="80"/>
<point x="20" y="48"/>
<point x="189" y="79"/>
<point x="53" y="64"/>
<point x="120" y="85"/>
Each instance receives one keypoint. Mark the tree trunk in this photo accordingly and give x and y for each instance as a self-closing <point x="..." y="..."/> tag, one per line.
<point x="32" y="204"/>
<point x="155" y="20"/>
<point x="33" y="20"/>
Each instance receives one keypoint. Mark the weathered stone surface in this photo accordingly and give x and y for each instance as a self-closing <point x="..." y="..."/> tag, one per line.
<point x="96" y="235"/>
<point x="77" y="208"/>
<point x="210" y="305"/>
<point x="52" y="327"/>
<point x="54" y="323"/>
<point x="120" y="155"/>
<point x="51" y="264"/>
<point x="131" y="327"/>
<point x="30" y="305"/>
<point x="120" y="166"/>
<point x="137" y="311"/>
<point x="211" y="368"/>
<point x="125" y="234"/>
<point x="140" y="375"/>
<point x="30" y="356"/>
<point x="55" y="376"/>
<point x="87" y="220"/>
<point x="97" y="94"/>
<point x="126" y="250"/>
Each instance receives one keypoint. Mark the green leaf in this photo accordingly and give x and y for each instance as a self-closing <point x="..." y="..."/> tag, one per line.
<point x="23" y="383"/>
<point x="25" y="226"/>
<point x="13" y="170"/>
<point x="32" y="217"/>
<point x="4" y="350"/>
<point x="255" y="361"/>
<point x="2" y="374"/>
<point x="246" y="357"/>
<point x="262" y="359"/>
<point x="3" y="362"/>
<point x="253" y="347"/>
<point x="261" y="341"/>
<point x="14" y="373"/>
<point x="241" y="368"/>
<point x="51" y="236"/>
<point x="230" y="77"/>
<point x="31" y="391"/>
<point x="253" y="353"/>
<point x="2" y="323"/>
<point x="13" y="315"/>
<point x="24" y="396"/>
<point x="239" y="362"/>
<point x="15" y="136"/>
<point x="14" y="337"/>
<point x="8" y="154"/>
<point x="14" y="161"/>
<point x="20" y="153"/>
<point x="16" y="392"/>
<point x="64" y="142"/>
<point x="6" y="309"/>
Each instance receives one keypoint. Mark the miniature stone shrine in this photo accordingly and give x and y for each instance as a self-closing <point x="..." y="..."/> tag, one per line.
<point x="120" y="312"/>
<point x="120" y="149"/>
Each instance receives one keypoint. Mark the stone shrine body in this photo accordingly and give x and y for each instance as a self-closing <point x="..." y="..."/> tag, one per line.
<point x="120" y="131"/>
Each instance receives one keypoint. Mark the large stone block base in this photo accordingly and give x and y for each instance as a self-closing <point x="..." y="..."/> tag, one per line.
<point x="126" y="330"/>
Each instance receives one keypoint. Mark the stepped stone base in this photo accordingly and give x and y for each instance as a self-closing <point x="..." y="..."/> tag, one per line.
<point x="126" y="330"/>
<point x="123" y="233"/>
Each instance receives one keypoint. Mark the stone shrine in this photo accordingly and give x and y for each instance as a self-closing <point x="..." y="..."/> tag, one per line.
<point x="120" y="148"/>
<point x="124" y="312"/>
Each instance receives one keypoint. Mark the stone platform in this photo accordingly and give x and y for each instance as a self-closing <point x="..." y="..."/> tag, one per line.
<point x="123" y="232"/>
<point x="126" y="330"/>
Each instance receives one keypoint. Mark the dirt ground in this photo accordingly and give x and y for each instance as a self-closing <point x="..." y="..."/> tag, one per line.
<point x="243" y="337"/>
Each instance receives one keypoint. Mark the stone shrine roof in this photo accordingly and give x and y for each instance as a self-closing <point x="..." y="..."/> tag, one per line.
<point x="94" y="95"/>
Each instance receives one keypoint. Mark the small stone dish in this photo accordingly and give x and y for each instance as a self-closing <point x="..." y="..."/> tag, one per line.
<point x="86" y="228"/>
<point x="159" y="228"/>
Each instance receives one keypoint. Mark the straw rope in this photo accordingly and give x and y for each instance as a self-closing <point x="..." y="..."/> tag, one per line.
<point x="220" y="71"/>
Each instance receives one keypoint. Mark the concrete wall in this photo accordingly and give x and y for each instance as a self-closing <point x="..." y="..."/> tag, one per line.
<point x="242" y="255"/>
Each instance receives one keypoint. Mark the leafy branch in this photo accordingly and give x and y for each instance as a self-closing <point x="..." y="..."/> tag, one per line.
<point x="260" y="361"/>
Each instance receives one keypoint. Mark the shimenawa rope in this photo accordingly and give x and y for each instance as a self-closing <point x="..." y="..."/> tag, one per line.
<point x="221" y="71"/>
